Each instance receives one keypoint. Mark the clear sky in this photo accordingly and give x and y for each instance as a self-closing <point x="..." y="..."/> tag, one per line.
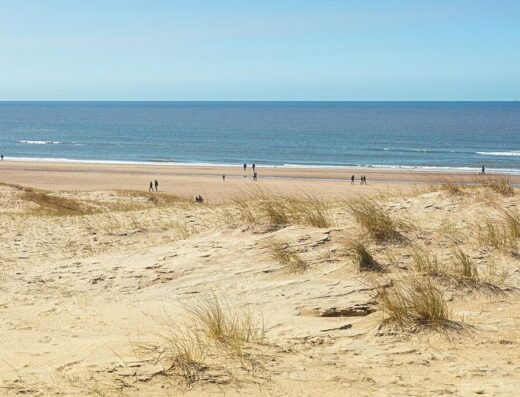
<point x="259" y="50"/>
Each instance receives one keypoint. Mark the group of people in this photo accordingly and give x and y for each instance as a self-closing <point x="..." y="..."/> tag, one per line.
<point x="255" y="175"/>
<point x="362" y="179"/>
<point x="152" y="184"/>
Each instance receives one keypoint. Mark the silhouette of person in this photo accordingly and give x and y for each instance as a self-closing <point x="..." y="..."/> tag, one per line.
<point x="254" y="167"/>
<point x="2" y="157"/>
<point x="150" y="189"/>
<point x="156" y="185"/>
<point x="364" y="179"/>
<point x="245" y="167"/>
<point x="255" y="176"/>
<point x="352" y="179"/>
<point x="483" y="170"/>
<point x="223" y="177"/>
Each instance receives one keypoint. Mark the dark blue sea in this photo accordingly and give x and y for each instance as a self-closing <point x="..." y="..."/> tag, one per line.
<point x="460" y="135"/>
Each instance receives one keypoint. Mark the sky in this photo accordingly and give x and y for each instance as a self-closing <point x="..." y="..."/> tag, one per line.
<point x="259" y="50"/>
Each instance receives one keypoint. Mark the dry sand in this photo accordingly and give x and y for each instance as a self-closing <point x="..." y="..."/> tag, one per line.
<point x="82" y="294"/>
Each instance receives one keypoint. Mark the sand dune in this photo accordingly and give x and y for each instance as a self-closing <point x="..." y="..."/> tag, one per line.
<point x="102" y="290"/>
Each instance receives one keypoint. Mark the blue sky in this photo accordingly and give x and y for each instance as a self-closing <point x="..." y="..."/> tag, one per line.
<point x="259" y="50"/>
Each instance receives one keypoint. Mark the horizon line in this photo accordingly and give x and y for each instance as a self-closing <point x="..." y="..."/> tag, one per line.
<point x="255" y="100"/>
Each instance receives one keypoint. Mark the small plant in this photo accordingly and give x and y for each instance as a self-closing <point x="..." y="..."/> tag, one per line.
<point x="453" y="188"/>
<point x="498" y="233"/>
<point x="464" y="268"/>
<point x="414" y="300"/>
<point x="363" y="257"/>
<point x="500" y="184"/>
<point x="287" y="257"/>
<point x="245" y="211"/>
<point x="182" y="352"/>
<point x="229" y="327"/>
<point x="275" y="210"/>
<point x="375" y="219"/>
<point x="310" y="211"/>
<point x="183" y="230"/>
<point x="511" y="219"/>
<point x="423" y="260"/>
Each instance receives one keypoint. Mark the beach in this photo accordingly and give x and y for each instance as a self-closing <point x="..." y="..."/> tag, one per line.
<point x="266" y="288"/>
<point x="190" y="181"/>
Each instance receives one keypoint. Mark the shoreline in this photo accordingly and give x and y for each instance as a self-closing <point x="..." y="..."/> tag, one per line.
<point x="368" y="167"/>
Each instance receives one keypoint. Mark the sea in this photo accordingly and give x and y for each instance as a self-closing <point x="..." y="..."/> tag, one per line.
<point x="459" y="136"/>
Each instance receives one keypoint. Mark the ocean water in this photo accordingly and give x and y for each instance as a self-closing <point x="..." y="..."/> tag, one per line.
<point x="458" y="135"/>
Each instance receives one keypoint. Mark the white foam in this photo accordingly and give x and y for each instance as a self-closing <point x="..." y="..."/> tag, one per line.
<point x="469" y="170"/>
<point x="514" y="153"/>
<point x="40" y="142"/>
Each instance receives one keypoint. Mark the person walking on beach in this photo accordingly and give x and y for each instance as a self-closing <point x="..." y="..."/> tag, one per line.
<point x="156" y="185"/>
<point x="352" y="179"/>
<point x="2" y="157"/>
<point x="245" y="167"/>
<point x="255" y="176"/>
<point x="483" y="170"/>
<point x="223" y="177"/>
<point x="150" y="189"/>
<point x="254" y="167"/>
<point x="364" y="179"/>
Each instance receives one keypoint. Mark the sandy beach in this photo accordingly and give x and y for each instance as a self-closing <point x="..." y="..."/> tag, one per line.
<point x="189" y="181"/>
<point x="264" y="289"/>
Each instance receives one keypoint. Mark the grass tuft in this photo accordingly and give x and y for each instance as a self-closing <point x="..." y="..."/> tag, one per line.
<point x="464" y="268"/>
<point x="363" y="257"/>
<point x="228" y="327"/>
<point x="423" y="260"/>
<point x="285" y="256"/>
<point x="374" y="219"/>
<point x="414" y="301"/>
<point x="498" y="183"/>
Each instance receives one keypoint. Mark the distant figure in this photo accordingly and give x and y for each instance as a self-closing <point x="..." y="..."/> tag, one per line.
<point x="254" y="167"/>
<point x="245" y="167"/>
<point x="2" y="157"/>
<point x="255" y="176"/>
<point x="150" y="189"/>
<point x="199" y="199"/>
<point x="352" y="179"/>
<point x="364" y="179"/>
<point x="156" y="185"/>
<point x="223" y="177"/>
<point x="483" y="170"/>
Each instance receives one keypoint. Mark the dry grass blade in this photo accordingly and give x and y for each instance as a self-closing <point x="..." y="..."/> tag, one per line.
<point x="363" y="257"/>
<point x="498" y="183"/>
<point x="182" y="352"/>
<point x="287" y="257"/>
<point x="464" y="268"/>
<point x="414" y="301"/>
<point x="229" y="327"/>
<point x="374" y="219"/>
<point x="453" y="188"/>
<point x="311" y="211"/>
<point x="423" y="260"/>
<point x="50" y="204"/>
<point x="511" y="218"/>
<point x="500" y="232"/>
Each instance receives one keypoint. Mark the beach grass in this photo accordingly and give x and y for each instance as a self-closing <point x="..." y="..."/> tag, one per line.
<point x="283" y="254"/>
<point x="375" y="219"/>
<point x="414" y="300"/>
